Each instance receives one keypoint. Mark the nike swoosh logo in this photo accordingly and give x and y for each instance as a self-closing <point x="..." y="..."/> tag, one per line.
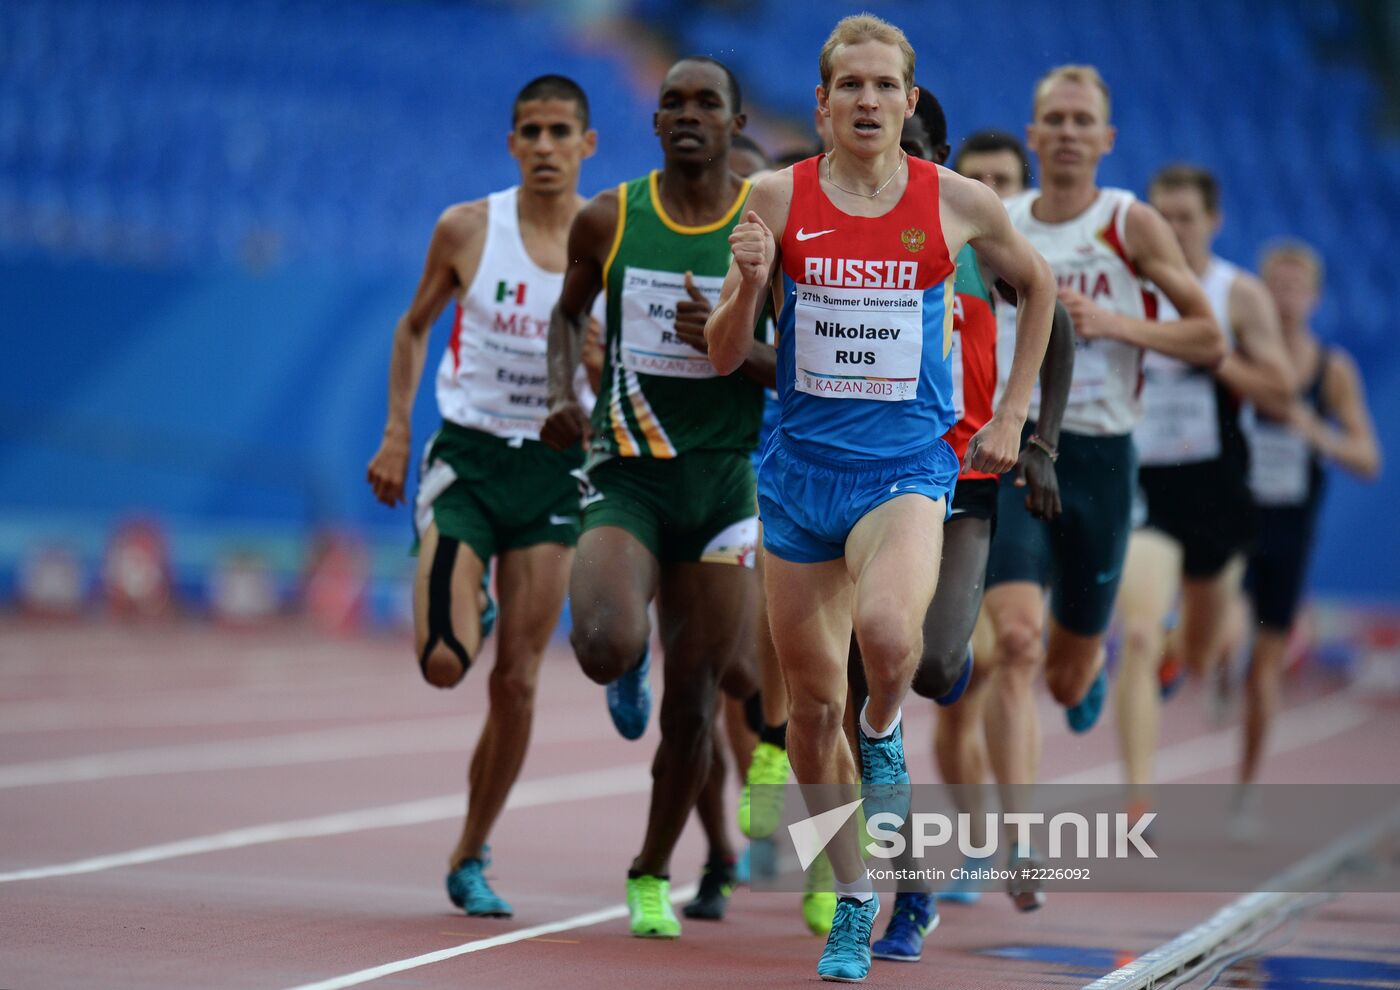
<point x="895" y="487"/>
<point x="562" y="520"/>
<point x="804" y="236"/>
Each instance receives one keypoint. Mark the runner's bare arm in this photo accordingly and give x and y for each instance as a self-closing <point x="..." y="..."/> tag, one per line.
<point x="593" y="354"/>
<point x="1056" y="373"/>
<point x="1257" y="368"/>
<point x="1036" y="469"/>
<point x="1351" y="443"/>
<point x="1194" y="338"/>
<point x="754" y="241"/>
<point x="975" y="210"/>
<point x="453" y="255"/>
<point x="761" y="365"/>
<point x="691" y="315"/>
<point x="590" y="240"/>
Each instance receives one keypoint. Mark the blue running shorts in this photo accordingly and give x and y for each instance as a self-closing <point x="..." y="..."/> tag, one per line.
<point x="809" y="504"/>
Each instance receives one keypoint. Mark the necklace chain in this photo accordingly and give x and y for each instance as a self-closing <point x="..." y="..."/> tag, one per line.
<point x="851" y="192"/>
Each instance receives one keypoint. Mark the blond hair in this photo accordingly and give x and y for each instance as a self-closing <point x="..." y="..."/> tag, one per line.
<point x="1291" y="249"/>
<point x="1084" y="74"/>
<point x="856" y="28"/>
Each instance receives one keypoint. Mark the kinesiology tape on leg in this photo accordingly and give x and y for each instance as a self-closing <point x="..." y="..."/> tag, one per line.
<point x="440" y="606"/>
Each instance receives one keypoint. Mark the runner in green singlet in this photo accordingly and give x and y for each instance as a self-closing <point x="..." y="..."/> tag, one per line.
<point x="669" y="511"/>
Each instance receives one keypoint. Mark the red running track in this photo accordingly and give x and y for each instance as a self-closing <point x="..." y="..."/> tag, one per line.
<point x="182" y="806"/>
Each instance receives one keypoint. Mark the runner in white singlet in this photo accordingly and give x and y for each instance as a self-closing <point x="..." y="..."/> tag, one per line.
<point x="1102" y="244"/>
<point x="489" y="488"/>
<point x="1196" y="513"/>
<point x="1328" y="421"/>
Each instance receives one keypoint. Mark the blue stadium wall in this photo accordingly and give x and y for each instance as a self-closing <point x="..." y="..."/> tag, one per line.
<point x="152" y="152"/>
<point x="239" y="403"/>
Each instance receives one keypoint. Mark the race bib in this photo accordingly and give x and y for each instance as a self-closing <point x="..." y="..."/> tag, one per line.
<point x="859" y="344"/>
<point x="509" y="384"/>
<point x="1089" y="382"/>
<point x="1278" y="465"/>
<point x="1180" y="423"/>
<point x="649" y="342"/>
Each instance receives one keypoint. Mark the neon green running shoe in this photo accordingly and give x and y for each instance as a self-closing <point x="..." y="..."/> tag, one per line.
<point x="649" y="901"/>
<point x="761" y="810"/>
<point x="819" y="899"/>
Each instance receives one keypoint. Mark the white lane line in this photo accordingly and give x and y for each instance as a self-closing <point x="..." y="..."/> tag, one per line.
<point x="431" y="735"/>
<point x="124" y="659"/>
<point x="519" y="935"/>
<point x="385" y="739"/>
<point x="611" y="782"/>
<point x="1296" y="728"/>
<point x="217" y="704"/>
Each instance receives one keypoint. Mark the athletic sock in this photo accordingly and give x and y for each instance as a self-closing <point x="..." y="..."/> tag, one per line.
<point x="859" y="890"/>
<point x="774" y="735"/>
<point x="638" y="874"/>
<point x="753" y="712"/>
<point x="870" y="732"/>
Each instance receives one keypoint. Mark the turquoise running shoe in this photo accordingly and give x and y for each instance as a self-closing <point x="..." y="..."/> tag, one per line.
<point x="963" y="890"/>
<point x="846" y="958"/>
<point x="468" y="889"/>
<point x="914" y="916"/>
<point x="629" y="699"/>
<point x="883" y="775"/>
<point x="488" y="606"/>
<point x="1083" y="715"/>
<point x="763" y="861"/>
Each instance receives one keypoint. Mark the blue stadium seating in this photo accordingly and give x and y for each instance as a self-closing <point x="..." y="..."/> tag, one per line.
<point x="263" y="175"/>
<point x="188" y="133"/>
<point x="1235" y="86"/>
<point x="178" y="132"/>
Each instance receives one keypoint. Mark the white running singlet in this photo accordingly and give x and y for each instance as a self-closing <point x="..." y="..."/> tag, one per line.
<point x="1180" y="416"/>
<point x="493" y="376"/>
<point x="1088" y="256"/>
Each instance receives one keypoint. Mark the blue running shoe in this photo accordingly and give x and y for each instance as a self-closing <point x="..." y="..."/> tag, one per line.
<point x="846" y="958"/>
<point x="488" y="607"/>
<point x="468" y="889"/>
<point x="1083" y="715"/>
<point x="762" y="860"/>
<point x="915" y="915"/>
<point x="959" y="688"/>
<point x="963" y="890"/>
<point x="629" y="699"/>
<point x="741" y="868"/>
<point x="883" y="775"/>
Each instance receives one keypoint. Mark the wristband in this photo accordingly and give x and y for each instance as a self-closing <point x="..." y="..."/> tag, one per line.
<point x="1034" y="440"/>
